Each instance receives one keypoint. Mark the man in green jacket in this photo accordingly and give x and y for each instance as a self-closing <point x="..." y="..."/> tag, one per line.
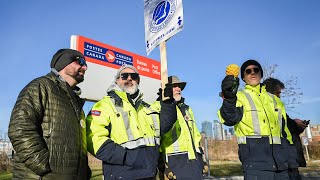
<point x="124" y="131"/>
<point x="47" y="125"/>
<point x="257" y="117"/>
<point x="182" y="153"/>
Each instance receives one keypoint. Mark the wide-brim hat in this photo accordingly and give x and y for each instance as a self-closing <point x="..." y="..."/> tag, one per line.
<point x="176" y="81"/>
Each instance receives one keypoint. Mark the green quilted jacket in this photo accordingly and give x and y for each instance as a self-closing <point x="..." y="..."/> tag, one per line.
<point x="47" y="131"/>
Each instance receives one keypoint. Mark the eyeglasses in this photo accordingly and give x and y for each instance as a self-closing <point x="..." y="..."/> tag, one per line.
<point x="134" y="76"/>
<point x="255" y="70"/>
<point x="81" y="61"/>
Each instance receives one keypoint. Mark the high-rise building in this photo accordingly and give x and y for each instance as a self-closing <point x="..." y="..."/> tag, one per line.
<point x="206" y="127"/>
<point x="218" y="130"/>
<point x="231" y="131"/>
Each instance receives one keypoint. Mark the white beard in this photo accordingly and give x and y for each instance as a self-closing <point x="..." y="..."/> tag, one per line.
<point x="130" y="89"/>
<point x="177" y="97"/>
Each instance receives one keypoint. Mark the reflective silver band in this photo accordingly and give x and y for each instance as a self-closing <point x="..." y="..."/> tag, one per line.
<point x="254" y="114"/>
<point x="141" y="142"/>
<point x="279" y="110"/>
<point x="126" y="122"/>
<point x="272" y="140"/>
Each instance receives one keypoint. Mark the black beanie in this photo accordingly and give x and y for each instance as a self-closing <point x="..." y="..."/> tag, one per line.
<point x="248" y="63"/>
<point x="63" y="57"/>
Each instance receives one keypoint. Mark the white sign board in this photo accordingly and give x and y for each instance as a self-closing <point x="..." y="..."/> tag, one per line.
<point x="103" y="62"/>
<point x="162" y="20"/>
<point x="305" y="140"/>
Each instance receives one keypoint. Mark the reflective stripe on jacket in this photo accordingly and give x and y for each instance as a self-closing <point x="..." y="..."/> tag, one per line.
<point x="262" y="115"/>
<point x="125" y="138"/>
<point x="126" y="126"/>
<point x="180" y="138"/>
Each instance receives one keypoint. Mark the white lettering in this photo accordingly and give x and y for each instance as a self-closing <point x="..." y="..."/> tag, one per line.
<point x="155" y="67"/>
<point x="141" y="63"/>
<point x="92" y="54"/>
<point x="143" y="69"/>
<point x="155" y="72"/>
<point x="94" y="48"/>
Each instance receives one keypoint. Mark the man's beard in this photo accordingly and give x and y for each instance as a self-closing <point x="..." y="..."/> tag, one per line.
<point x="177" y="97"/>
<point x="76" y="75"/>
<point x="130" y="89"/>
<point x="79" y="78"/>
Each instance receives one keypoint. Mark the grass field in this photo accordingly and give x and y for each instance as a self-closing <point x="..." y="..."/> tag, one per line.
<point x="5" y="176"/>
<point x="217" y="169"/>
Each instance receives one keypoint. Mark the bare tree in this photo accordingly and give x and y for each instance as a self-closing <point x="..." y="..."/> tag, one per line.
<point x="291" y="95"/>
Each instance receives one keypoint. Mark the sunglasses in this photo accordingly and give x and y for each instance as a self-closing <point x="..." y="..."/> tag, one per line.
<point x="134" y="76"/>
<point x="81" y="61"/>
<point x="255" y="70"/>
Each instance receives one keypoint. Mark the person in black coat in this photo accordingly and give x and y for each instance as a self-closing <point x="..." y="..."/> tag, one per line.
<point x="296" y="127"/>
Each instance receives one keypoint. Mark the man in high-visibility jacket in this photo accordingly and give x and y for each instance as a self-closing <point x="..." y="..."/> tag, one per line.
<point x="182" y="154"/>
<point x="257" y="117"/>
<point x="296" y="127"/>
<point x="124" y="131"/>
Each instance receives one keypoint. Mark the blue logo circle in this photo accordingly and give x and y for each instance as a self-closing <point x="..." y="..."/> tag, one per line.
<point x="161" y="15"/>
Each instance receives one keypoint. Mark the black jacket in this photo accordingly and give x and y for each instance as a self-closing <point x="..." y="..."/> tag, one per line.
<point x="47" y="131"/>
<point x="295" y="132"/>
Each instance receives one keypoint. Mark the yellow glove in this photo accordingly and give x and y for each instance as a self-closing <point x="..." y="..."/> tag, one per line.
<point x="205" y="168"/>
<point x="168" y="173"/>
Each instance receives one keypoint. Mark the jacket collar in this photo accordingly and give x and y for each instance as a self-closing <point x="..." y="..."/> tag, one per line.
<point x="257" y="89"/>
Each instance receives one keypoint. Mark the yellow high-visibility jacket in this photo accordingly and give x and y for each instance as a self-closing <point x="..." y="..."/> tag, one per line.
<point x="263" y="114"/>
<point x="183" y="136"/>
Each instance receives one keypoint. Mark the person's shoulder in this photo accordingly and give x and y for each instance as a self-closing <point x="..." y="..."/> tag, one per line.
<point x="39" y="81"/>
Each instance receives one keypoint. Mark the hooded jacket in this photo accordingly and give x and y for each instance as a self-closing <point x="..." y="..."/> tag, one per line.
<point x="125" y="134"/>
<point x="47" y="131"/>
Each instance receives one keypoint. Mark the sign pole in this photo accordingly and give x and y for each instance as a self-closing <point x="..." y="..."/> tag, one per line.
<point x="164" y="67"/>
<point x="307" y="152"/>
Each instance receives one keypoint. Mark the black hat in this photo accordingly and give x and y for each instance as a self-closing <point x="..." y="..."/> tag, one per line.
<point x="248" y="63"/>
<point x="63" y="57"/>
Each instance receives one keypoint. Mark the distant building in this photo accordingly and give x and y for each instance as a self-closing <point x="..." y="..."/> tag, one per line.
<point x="5" y="147"/>
<point x="315" y="132"/>
<point x="206" y="127"/>
<point x="218" y="131"/>
<point x="231" y="131"/>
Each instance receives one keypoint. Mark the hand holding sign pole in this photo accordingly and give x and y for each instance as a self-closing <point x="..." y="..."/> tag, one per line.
<point x="163" y="19"/>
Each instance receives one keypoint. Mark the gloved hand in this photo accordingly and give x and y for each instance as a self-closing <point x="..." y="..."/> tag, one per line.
<point x="205" y="169"/>
<point x="168" y="173"/>
<point x="167" y="93"/>
<point x="229" y="88"/>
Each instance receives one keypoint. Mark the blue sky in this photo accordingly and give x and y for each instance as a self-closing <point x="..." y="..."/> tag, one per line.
<point x="216" y="34"/>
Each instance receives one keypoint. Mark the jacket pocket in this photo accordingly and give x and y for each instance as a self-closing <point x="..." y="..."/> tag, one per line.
<point x="260" y="150"/>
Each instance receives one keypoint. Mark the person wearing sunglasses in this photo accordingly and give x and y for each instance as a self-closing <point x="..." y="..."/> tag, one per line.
<point x="124" y="131"/>
<point x="47" y="124"/>
<point x="296" y="127"/>
<point x="182" y="155"/>
<point x="257" y="118"/>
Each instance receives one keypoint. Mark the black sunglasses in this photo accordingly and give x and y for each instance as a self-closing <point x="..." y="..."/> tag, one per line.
<point x="134" y="76"/>
<point x="255" y="70"/>
<point x="81" y="61"/>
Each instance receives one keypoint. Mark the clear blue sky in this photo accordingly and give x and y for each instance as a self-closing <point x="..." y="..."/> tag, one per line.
<point x="216" y="33"/>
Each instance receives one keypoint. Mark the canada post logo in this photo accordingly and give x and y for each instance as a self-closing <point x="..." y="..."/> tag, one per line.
<point x="161" y="15"/>
<point x="107" y="55"/>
